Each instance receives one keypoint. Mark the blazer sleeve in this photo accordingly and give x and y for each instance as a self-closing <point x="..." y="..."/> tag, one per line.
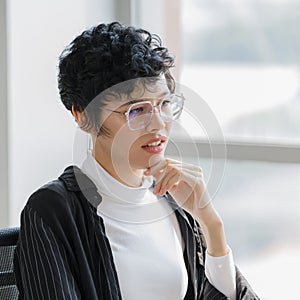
<point x="41" y="264"/>
<point x="208" y="291"/>
<point x="243" y="290"/>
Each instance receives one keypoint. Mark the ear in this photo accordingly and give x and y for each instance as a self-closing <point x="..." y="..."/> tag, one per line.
<point x="80" y="117"/>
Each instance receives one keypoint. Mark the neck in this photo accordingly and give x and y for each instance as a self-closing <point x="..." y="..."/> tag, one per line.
<point x="124" y="174"/>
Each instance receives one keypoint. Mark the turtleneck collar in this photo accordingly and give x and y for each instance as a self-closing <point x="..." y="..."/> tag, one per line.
<point x="111" y="188"/>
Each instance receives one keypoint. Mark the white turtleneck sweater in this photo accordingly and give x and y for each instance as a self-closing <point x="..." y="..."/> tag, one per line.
<point x="146" y="241"/>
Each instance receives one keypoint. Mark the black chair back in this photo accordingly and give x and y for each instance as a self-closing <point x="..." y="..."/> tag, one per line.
<point x="8" y="241"/>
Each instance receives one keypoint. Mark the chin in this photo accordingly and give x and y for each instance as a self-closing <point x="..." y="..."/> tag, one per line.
<point x="147" y="162"/>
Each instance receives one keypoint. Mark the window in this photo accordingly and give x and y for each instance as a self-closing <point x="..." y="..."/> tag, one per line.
<point x="242" y="58"/>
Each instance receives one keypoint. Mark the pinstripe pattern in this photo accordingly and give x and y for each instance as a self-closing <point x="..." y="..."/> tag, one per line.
<point x="45" y="271"/>
<point x="63" y="251"/>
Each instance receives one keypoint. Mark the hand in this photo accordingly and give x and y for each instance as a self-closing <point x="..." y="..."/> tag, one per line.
<point x="186" y="184"/>
<point x="183" y="181"/>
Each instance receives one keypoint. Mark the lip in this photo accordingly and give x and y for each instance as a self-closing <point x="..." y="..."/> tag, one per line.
<point x="155" y="150"/>
<point x="162" y="139"/>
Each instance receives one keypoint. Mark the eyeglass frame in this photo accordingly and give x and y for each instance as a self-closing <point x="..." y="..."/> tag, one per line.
<point x="126" y="113"/>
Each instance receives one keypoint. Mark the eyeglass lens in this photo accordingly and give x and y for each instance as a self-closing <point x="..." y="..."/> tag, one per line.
<point x="140" y="114"/>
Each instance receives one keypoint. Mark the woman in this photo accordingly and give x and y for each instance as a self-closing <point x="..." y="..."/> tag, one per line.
<point x="129" y="223"/>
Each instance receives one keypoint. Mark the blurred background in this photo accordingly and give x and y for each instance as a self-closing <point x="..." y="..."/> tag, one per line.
<point x="241" y="57"/>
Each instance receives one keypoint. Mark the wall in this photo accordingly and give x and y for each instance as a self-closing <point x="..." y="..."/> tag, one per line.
<point x="40" y="129"/>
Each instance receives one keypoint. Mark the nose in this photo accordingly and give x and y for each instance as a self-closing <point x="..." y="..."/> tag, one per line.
<point x="156" y="123"/>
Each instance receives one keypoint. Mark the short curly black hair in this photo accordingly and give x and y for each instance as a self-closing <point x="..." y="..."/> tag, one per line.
<point x="104" y="56"/>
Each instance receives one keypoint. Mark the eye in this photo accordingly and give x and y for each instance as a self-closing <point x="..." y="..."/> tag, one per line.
<point x="136" y="111"/>
<point x="166" y="102"/>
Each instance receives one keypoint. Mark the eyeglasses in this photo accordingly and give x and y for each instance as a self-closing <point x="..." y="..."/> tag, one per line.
<point x="139" y="115"/>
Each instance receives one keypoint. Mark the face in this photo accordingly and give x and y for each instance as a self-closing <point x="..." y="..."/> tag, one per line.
<point x="127" y="151"/>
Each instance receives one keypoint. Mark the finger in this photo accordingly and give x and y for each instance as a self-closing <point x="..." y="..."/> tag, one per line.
<point x="159" y="178"/>
<point x="153" y="170"/>
<point x="192" y="171"/>
<point x="168" y="173"/>
<point x="188" y="168"/>
<point x="191" y="177"/>
<point x="163" y="163"/>
<point x="168" y="170"/>
<point x="170" y="183"/>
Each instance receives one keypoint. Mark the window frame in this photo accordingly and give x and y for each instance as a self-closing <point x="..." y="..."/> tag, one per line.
<point x="236" y="149"/>
<point x="4" y="155"/>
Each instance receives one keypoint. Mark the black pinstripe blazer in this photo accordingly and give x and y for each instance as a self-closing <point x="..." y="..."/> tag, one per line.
<point x="63" y="251"/>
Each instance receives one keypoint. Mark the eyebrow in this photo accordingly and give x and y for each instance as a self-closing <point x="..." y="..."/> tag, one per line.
<point x="144" y="99"/>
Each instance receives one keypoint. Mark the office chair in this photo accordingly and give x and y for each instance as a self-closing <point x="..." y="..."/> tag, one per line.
<point x="8" y="241"/>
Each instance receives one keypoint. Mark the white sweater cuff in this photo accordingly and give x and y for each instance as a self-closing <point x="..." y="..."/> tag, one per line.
<point x="220" y="271"/>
